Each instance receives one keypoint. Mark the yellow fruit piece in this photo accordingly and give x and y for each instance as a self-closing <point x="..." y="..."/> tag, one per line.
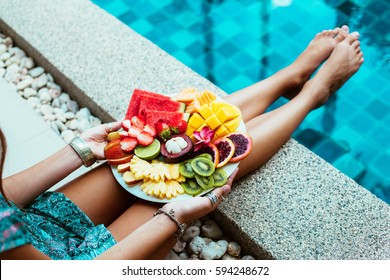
<point x="216" y="106"/>
<point x="195" y="120"/>
<point x="213" y="122"/>
<point x="206" y="97"/>
<point x="233" y="124"/>
<point x="129" y="178"/>
<point x="221" y="132"/>
<point x="205" y="111"/>
<point x="228" y="113"/>
<point x="174" y="171"/>
<point x="190" y="130"/>
<point x="187" y="95"/>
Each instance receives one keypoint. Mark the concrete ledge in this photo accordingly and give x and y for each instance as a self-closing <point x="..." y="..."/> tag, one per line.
<point x="295" y="207"/>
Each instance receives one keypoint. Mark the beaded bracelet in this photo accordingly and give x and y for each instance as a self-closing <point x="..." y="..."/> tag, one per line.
<point x="83" y="150"/>
<point x="181" y="226"/>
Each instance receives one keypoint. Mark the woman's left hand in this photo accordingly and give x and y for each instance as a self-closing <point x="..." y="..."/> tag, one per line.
<point x="96" y="137"/>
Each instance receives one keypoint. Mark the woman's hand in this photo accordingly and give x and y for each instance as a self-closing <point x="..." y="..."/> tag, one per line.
<point x="96" y="137"/>
<point x="197" y="207"/>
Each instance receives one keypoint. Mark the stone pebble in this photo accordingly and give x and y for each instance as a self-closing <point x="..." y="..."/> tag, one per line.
<point x="202" y="240"/>
<point x="38" y="87"/>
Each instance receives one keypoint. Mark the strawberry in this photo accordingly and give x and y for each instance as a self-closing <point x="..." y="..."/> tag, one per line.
<point x="144" y="139"/>
<point x="138" y="121"/>
<point x="123" y="134"/>
<point x="134" y="131"/>
<point x="163" y="131"/>
<point x="150" y="129"/>
<point x="126" y="124"/>
<point x="128" y="144"/>
<point x="180" y="128"/>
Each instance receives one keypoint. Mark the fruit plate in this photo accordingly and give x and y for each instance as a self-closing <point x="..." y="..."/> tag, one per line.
<point x="135" y="189"/>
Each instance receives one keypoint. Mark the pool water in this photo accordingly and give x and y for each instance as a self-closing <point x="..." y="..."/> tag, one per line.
<point x="236" y="43"/>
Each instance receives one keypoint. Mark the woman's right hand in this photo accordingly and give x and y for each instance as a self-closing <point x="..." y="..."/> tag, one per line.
<point x="197" y="207"/>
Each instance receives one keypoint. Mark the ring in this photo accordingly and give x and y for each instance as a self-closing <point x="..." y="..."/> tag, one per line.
<point x="222" y="197"/>
<point x="212" y="197"/>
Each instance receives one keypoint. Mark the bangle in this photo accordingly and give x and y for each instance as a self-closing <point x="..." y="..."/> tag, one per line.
<point x="83" y="150"/>
<point x="170" y="214"/>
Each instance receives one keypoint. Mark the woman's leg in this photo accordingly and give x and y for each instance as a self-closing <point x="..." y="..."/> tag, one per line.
<point x="99" y="195"/>
<point x="271" y="130"/>
<point x="255" y="99"/>
<point x="138" y="214"/>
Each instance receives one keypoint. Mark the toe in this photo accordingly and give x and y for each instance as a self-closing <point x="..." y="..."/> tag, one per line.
<point x="345" y="28"/>
<point x="350" y="39"/>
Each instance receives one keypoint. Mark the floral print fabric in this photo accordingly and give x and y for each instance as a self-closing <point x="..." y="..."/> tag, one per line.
<point x="54" y="225"/>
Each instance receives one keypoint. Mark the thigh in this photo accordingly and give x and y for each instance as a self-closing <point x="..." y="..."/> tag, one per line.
<point x="99" y="195"/>
<point x="137" y="215"/>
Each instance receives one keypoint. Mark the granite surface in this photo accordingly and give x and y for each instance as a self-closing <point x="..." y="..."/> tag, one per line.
<point x="297" y="206"/>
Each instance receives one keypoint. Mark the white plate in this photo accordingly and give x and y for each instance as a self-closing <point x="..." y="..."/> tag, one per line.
<point x="135" y="189"/>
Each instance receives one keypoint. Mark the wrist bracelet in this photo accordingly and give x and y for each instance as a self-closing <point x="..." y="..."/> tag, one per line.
<point x="83" y="150"/>
<point x="170" y="214"/>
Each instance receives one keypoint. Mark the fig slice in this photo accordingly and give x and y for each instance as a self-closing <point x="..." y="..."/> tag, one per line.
<point x="177" y="150"/>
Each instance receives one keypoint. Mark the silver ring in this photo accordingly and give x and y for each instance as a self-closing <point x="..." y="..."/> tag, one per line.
<point x="212" y="197"/>
<point x="222" y="197"/>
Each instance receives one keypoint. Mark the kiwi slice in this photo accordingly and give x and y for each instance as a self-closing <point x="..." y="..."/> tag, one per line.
<point x="206" y="182"/>
<point x="186" y="170"/>
<point x="202" y="166"/>
<point x="220" y="177"/>
<point x="206" y="155"/>
<point x="191" y="187"/>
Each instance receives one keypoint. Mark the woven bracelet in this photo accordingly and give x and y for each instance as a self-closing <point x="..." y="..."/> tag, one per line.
<point x="171" y="214"/>
<point x="83" y="150"/>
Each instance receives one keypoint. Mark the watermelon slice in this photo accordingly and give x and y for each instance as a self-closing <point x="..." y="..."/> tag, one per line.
<point x="157" y="104"/>
<point x="170" y="118"/>
<point x="134" y="104"/>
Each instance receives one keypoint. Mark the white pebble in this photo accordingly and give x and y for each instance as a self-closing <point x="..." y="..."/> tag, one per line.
<point x="72" y="106"/>
<point x="83" y="113"/>
<point x="64" y="97"/>
<point x="60" y="125"/>
<point x="3" y="48"/>
<point x="8" y="42"/>
<point x="46" y="109"/>
<point x="27" y="62"/>
<point x="5" y="56"/>
<point x="29" y="92"/>
<point x="51" y="84"/>
<point x="70" y="115"/>
<point x="2" y="72"/>
<point x="44" y="95"/>
<point x="35" y="72"/>
<point x="24" y="83"/>
<point x="68" y="135"/>
<point x="72" y="124"/>
<point x="49" y="117"/>
<point x="41" y="81"/>
<point x="34" y="102"/>
<point x="83" y="125"/>
<point x="2" y="64"/>
<point x="95" y="121"/>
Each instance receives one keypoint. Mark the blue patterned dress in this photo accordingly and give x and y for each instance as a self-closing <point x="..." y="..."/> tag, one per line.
<point x="54" y="225"/>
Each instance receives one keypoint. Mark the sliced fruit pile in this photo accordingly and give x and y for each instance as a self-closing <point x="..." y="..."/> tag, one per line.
<point x="221" y="117"/>
<point x="175" y="146"/>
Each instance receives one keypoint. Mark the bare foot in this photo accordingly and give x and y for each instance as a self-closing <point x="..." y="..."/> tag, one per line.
<point x="318" y="50"/>
<point x="344" y="61"/>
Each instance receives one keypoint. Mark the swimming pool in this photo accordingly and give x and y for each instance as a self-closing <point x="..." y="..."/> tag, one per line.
<point x="236" y="43"/>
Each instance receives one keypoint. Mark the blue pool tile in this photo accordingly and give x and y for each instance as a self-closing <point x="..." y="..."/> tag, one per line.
<point x="350" y="166"/>
<point x="382" y="164"/>
<point x="362" y="123"/>
<point x="366" y="150"/>
<point x="330" y="150"/>
<point x="183" y="39"/>
<point x="115" y="7"/>
<point x="381" y="136"/>
<point x="378" y="109"/>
